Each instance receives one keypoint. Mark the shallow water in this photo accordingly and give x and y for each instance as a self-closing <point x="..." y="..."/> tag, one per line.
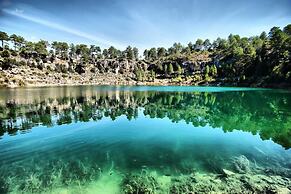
<point x="89" y="138"/>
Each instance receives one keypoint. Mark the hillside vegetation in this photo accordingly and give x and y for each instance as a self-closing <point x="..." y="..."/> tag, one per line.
<point x="262" y="60"/>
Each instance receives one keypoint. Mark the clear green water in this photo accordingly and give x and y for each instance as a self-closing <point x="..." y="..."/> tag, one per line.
<point x="88" y="139"/>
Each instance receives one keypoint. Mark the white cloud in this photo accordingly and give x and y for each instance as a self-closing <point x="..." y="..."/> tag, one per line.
<point x="19" y="11"/>
<point x="20" y="14"/>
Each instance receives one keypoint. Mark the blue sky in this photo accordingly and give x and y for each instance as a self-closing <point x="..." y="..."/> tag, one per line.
<point x="140" y="23"/>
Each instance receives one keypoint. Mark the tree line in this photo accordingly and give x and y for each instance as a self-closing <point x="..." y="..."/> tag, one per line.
<point x="241" y="59"/>
<point x="63" y="50"/>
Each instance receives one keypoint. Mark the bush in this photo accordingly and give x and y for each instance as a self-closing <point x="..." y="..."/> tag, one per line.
<point x="49" y="68"/>
<point x="40" y="66"/>
<point x="93" y="70"/>
<point x="80" y="68"/>
<point x="8" y="63"/>
<point x="44" y="60"/>
<point x="178" y="79"/>
<point x="139" y="74"/>
<point x="37" y="59"/>
<point x="22" y="63"/>
<point x="197" y="78"/>
<point x="5" y="54"/>
<point x="64" y="70"/>
<point x="31" y="64"/>
<point x="14" y="53"/>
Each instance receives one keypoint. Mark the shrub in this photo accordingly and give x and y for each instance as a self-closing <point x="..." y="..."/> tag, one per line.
<point x="39" y="66"/>
<point x="22" y="63"/>
<point x="178" y="79"/>
<point x="64" y="70"/>
<point x="5" y="54"/>
<point x="8" y="63"/>
<point x="49" y="68"/>
<point x="14" y="53"/>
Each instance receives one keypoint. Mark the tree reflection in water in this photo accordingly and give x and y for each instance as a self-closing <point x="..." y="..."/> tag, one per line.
<point x="266" y="113"/>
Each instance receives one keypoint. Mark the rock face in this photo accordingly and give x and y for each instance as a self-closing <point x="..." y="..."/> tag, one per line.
<point x="42" y="72"/>
<point x="115" y="66"/>
<point x="121" y="66"/>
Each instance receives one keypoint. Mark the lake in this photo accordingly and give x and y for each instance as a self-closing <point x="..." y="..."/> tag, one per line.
<point x="145" y="139"/>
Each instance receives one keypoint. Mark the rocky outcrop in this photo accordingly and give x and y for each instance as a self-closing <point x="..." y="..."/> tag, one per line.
<point x="30" y="72"/>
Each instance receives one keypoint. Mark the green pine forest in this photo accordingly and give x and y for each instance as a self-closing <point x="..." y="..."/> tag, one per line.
<point x="262" y="60"/>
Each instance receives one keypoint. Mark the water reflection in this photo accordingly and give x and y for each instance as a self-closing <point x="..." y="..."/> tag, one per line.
<point x="265" y="112"/>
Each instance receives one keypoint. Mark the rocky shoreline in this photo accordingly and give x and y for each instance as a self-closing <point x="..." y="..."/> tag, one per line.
<point x="21" y="77"/>
<point x="33" y="77"/>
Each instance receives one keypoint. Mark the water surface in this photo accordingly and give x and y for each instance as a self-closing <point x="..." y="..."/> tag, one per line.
<point x="57" y="139"/>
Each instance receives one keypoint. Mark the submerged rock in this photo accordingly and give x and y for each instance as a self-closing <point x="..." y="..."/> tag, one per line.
<point x="241" y="164"/>
<point x="233" y="183"/>
<point x="282" y="171"/>
<point x="227" y="173"/>
<point x="152" y="182"/>
<point x="195" y="184"/>
<point x="145" y="184"/>
<point x="3" y="186"/>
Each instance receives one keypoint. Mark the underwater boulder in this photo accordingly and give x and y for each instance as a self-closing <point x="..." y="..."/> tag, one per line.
<point x="143" y="184"/>
<point x="241" y="164"/>
<point x="227" y="173"/>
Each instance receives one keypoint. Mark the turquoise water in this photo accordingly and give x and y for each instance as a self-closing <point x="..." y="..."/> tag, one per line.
<point x="88" y="138"/>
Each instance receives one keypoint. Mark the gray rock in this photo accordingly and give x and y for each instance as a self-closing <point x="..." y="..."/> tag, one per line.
<point x="241" y="164"/>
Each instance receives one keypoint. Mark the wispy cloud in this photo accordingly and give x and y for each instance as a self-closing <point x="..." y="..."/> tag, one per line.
<point x="57" y="26"/>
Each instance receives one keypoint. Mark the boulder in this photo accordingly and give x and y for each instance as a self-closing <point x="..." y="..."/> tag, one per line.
<point x="241" y="164"/>
<point x="227" y="173"/>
